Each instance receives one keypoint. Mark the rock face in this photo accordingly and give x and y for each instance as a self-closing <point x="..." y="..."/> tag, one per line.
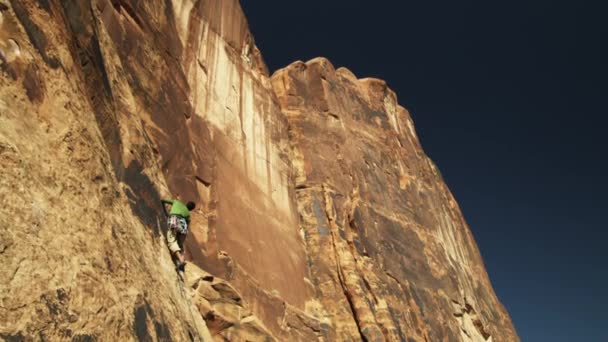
<point x="390" y="255"/>
<point x="318" y="217"/>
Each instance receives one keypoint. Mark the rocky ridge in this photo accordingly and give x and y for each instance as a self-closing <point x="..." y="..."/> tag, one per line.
<point x="319" y="215"/>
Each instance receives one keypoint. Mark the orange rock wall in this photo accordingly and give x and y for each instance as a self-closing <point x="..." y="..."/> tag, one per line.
<point x="316" y="203"/>
<point x="391" y="256"/>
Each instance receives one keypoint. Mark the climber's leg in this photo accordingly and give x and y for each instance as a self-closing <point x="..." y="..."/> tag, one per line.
<point x="174" y="242"/>
<point x="180" y="253"/>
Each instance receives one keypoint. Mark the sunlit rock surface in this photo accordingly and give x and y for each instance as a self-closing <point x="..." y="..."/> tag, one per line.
<point x="319" y="217"/>
<point x="390" y="255"/>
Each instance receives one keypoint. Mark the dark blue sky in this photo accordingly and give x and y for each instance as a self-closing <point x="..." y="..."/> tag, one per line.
<point x="509" y="99"/>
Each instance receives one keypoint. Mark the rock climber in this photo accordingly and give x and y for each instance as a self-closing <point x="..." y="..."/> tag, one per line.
<point x="178" y="222"/>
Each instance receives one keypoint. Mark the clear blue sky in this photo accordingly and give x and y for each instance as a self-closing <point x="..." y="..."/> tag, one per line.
<point x="510" y="100"/>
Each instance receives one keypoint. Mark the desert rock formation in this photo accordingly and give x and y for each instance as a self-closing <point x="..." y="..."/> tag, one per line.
<point x="319" y="215"/>
<point x="377" y="217"/>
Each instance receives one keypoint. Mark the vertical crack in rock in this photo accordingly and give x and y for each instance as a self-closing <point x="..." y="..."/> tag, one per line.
<point x="347" y="291"/>
<point x="350" y="279"/>
<point x="35" y="33"/>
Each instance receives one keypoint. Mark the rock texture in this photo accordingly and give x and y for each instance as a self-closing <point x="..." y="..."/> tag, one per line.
<point x="390" y="255"/>
<point x="319" y="217"/>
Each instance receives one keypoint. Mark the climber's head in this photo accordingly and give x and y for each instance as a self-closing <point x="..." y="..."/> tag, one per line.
<point x="190" y="206"/>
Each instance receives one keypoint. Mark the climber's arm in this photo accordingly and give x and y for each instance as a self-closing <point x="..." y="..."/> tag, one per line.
<point x="166" y="201"/>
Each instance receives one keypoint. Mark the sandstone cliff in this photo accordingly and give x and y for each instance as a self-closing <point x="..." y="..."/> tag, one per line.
<point x="319" y="216"/>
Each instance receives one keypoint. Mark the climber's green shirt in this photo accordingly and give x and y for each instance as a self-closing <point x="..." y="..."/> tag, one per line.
<point x="178" y="208"/>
